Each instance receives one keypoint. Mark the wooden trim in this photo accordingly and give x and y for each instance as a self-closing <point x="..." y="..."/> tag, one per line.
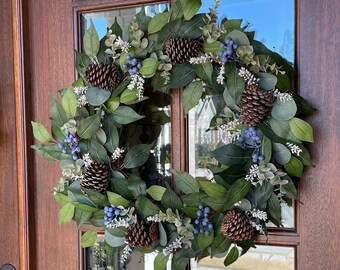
<point x="21" y="132"/>
<point x="106" y="4"/>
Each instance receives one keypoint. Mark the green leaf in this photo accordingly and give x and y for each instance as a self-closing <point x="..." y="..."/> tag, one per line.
<point x="229" y="100"/>
<point x="213" y="189"/>
<point x="137" y="155"/>
<point x="62" y="199"/>
<point x="284" y="111"/>
<point x="191" y="29"/>
<point x="57" y="133"/>
<point x="232" y="174"/>
<point x="289" y="188"/>
<point x="294" y="167"/>
<point x="112" y="104"/>
<point x="160" y="261"/>
<point x="89" y="126"/>
<point x="163" y="239"/>
<point x="81" y="217"/>
<point x="100" y="136"/>
<point x="204" y="71"/>
<point x="267" y="80"/>
<point x="190" y="8"/>
<point x="156" y="192"/>
<point x="301" y="129"/>
<point x="116" y="29"/>
<point x="281" y="153"/>
<point x="112" y="240"/>
<point x="117" y="199"/>
<point x="91" y="41"/>
<point x="125" y="115"/>
<point x="111" y="132"/>
<point x="96" y="96"/>
<point x="234" y="24"/>
<point x="81" y="62"/>
<point x="232" y="256"/>
<point x="85" y="207"/>
<point x="143" y="20"/>
<point x="239" y="38"/>
<point x="192" y="95"/>
<point x="181" y="75"/>
<point x="57" y="112"/>
<point x="50" y="152"/>
<point x="185" y="182"/>
<point x="69" y="102"/>
<point x="98" y="152"/>
<point x="274" y="209"/>
<point x="235" y="85"/>
<point x="303" y="107"/>
<point x="171" y="200"/>
<point x="145" y="207"/>
<point x="237" y="191"/>
<point x="88" y="239"/>
<point x="215" y="203"/>
<point x="170" y="30"/>
<point x="220" y="245"/>
<point x="121" y="187"/>
<point x="261" y="193"/>
<point x="149" y="67"/>
<point x="66" y="213"/>
<point x="266" y="149"/>
<point x="158" y="22"/>
<point x="214" y="47"/>
<point x="136" y="186"/>
<point x="129" y="96"/>
<point x="40" y="133"/>
<point x="193" y="199"/>
<point x="96" y="197"/>
<point x="229" y="155"/>
<point x="205" y="241"/>
<point x="176" y="10"/>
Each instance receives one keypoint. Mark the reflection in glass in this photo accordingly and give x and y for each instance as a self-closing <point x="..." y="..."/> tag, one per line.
<point x="104" y="19"/>
<point x="261" y="258"/>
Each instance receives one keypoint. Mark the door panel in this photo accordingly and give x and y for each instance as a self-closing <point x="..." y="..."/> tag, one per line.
<point x="48" y="44"/>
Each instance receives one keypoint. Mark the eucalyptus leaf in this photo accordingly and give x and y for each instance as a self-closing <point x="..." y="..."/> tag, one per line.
<point x="89" y="126"/>
<point x="239" y="38"/>
<point x="137" y="155"/>
<point x="283" y="111"/>
<point x="192" y="95"/>
<point x="281" y="153"/>
<point x="96" y="96"/>
<point x="114" y="241"/>
<point x="88" y="239"/>
<point x="185" y="182"/>
<point x="267" y="81"/>
<point x="40" y="133"/>
<point x="91" y="41"/>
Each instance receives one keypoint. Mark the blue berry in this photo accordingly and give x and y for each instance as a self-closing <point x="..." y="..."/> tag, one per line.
<point x="254" y="160"/>
<point x="199" y="213"/>
<point x="200" y="206"/>
<point x="196" y="231"/>
<point x="109" y="214"/>
<point x="128" y="57"/>
<point x="241" y="139"/>
<point x="204" y="223"/>
<point x="60" y="145"/>
<point x="106" y="222"/>
<point x="139" y="65"/>
<point x="74" y="157"/>
<point x="207" y="210"/>
<point x="197" y="221"/>
<point x="111" y="209"/>
<point x="117" y="212"/>
<point x="106" y="209"/>
<point x="64" y="151"/>
<point x="134" y="70"/>
<point x="206" y="220"/>
<point x="210" y="226"/>
<point x="124" y="66"/>
<point x="201" y="230"/>
<point x="207" y="232"/>
<point x="261" y="157"/>
<point x="255" y="156"/>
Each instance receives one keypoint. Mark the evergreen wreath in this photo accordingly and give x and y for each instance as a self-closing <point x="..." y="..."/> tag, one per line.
<point x="260" y="155"/>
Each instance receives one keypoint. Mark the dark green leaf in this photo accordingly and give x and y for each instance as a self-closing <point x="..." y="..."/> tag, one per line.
<point x="204" y="71"/>
<point x="213" y="189"/>
<point x="89" y="126"/>
<point x="191" y="29"/>
<point x="143" y="20"/>
<point x="81" y="217"/>
<point x="158" y="21"/>
<point x="145" y="207"/>
<point x="229" y="155"/>
<point x="98" y="152"/>
<point x="96" y="96"/>
<point x="89" y="238"/>
<point x="96" y="197"/>
<point x="185" y="182"/>
<point x="163" y="239"/>
<point x="289" y="188"/>
<point x="267" y="80"/>
<point x="274" y="210"/>
<point x="50" y="152"/>
<point x="57" y="113"/>
<point x="237" y="191"/>
<point x="215" y="203"/>
<point x="81" y="62"/>
<point x="294" y="167"/>
<point x="232" y="174"/>
<point x="231" y="25"/>
<point x="205" y="241"/>
<point x="112" y="240"/>
<point x="192" y="95"/>
<point x="136" y="186"/>
<point x="91" y="41"/>
<point x="121" y="187"/>
<point x="170" y="30"/>
<point x="171" y="200"/>
<point x="176" y="10"/>
<point x="232" y="256"/>
<point x="281" y="153"/>
<point x="57" y="133"/>
<point x="266" y="149"/>
<point x="125" y="115"/>
<point x="193" y="199"/>
<point x="303" y="107"/>
<point x="181" y="75"/>
<point x="235" y="85"/>
<point x="85" y="207"/>
<point x="220" y="245"/>
<point x="261" y="193"/>
<point x="116" y="29"/>
<point x="40" y="133"/>
<point x="111" y="132"/>
<point x="137" y="155"/>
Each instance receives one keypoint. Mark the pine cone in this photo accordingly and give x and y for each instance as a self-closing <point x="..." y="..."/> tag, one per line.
<point x="180" y="50"/>
<point x="236" y="226"/>
<point x="142" y="234"/>
<point x="104" y="76"/>
<point x="96" y="177"/>
<point x="256" y="103"/>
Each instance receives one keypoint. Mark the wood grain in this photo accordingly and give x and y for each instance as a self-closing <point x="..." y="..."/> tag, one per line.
<point x="9" y="225"/>
<point x="318" y="65"/>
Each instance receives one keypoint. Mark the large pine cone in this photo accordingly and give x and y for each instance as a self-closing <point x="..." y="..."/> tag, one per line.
<point x="255" y="105"/>
<point x="142" y="234"/>
<point x="180" y="50"/>
<point x="96" y="177"/>
<point x="236" y="226"/>
<point x="104" y="76"/>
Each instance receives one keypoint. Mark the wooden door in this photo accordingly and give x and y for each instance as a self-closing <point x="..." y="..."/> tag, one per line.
<point x="37" y="42"/>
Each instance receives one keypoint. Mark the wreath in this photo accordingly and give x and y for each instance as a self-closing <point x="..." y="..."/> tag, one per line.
<point x="103" y="174"/>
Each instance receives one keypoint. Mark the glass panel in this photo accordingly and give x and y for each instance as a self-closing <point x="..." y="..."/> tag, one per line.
<point x="261" y="258"/>
<point x="104" y="19"/>
<point x="279" y="15"/>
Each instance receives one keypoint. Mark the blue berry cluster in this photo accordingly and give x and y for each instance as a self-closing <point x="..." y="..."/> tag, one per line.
<point x="133" y="65"/>
<point x="111" y="212"/>
<point x="203" y="224"/>
<point x="70" y="142"/>
<point x="228" y="52"/>
<point x="252" y="140"/>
